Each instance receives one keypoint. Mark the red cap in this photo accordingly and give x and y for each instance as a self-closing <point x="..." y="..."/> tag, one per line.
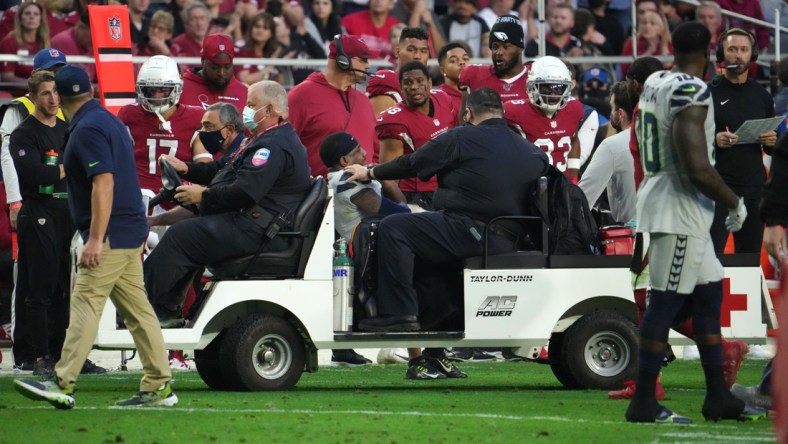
<point x="215" y="44"/>
<point x="353" y="46"/>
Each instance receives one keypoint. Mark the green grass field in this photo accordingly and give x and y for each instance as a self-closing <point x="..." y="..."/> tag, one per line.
<point x="499" y="402"/>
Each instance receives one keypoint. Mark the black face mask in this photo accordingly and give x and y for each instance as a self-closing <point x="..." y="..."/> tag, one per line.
<point x="212" y="140"/>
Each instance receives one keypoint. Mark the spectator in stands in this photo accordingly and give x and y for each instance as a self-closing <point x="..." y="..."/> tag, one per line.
<point x="138" y="20"/>
<point x="176" y="8"/>
<point x="373" y="26"/>
<point x="710" y="14"/>
<point x="781" y="99"/>
<point x="607" y="24"/>
<point x="611" y="166"/>
<point x="593" y="43"/>
<point x="653" y="38"/>
<point x="416" y="14"/>
<point x="196" y="19"/>
<point x="298" y="44"/>
<point x="752" y="9"/>
<point x="559" y="41"/>
<point x="736" y="100"/>
<point x="324" y="21"/>
<point x="462" y="24"/>
<point x="768" y="8"/>
<point x="259" y="42"/>
<point x="77" y="41"/>
<point x="157" y="40"/>
<point x="54" y="22"/>
<point x="30" y="34"/>
<point x="452" y="58"/>
<point x="525" y="13"/>
<point x="214" y="81"/>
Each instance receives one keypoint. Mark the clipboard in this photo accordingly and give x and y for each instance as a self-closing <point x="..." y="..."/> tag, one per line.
<point x="749" y="131"/>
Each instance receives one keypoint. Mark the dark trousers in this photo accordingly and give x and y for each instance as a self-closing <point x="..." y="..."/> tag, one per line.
<point x="191" y="244"/>
<point x="750" y="237"/>
<point x="435" y="237"/>
<point x="43" y="282"/>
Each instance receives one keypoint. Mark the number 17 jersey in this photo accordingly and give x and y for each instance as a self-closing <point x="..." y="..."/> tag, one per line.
<point x="668" y="202"/>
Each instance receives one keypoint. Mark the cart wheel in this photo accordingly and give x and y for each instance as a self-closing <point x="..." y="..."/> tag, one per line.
<point x="210" y="367"/>
<point x="263" y="353"/>
<point x="555" y="356"/>
<point x="600" y="350"/>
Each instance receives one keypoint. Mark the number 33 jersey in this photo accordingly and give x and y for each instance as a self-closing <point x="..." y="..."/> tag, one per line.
<point x="151" y="139"/>
<point x="668" y="202"/>
<point x="552" y="135"/>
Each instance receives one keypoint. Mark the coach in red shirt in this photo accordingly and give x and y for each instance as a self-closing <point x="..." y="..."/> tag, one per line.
<point x="327" y="102"/>
<point x="214" y="81"/>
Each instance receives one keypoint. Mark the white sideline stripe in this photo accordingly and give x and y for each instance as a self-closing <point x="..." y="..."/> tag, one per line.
<point x="718" y="438"/>
<point x="119" y="102"/>
<point x="115" y="57"/>
<point x="716" y="426"/>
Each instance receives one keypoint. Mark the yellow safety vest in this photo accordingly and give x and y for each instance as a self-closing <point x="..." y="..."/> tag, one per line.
<point x="24" y="100"/>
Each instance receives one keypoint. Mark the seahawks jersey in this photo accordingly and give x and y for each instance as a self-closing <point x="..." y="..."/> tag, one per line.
<point x="668" y="202"/>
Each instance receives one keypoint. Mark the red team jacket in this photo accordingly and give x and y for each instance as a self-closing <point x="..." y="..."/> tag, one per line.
<point x="197" y="92"/>
<point x="414" y="128"/>
<point x="553" y="136"/>
<point x="151" y="140"/>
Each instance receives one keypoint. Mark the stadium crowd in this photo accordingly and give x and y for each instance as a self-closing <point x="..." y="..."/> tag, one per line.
<point x="345" y="114"/>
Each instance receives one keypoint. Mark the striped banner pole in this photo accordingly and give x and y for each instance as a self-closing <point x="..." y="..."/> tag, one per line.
<point x="111" y="34"/>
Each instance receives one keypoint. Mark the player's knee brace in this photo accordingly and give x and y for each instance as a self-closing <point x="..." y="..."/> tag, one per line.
<point x="662" y="309"/>
<point x="707" y="300"/>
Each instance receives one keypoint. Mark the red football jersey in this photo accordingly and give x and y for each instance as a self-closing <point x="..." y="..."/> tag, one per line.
<point x="633" y="148"/>
<point x="151" y="140"/>
<point x="385" y="82"/>
<point x="414" y="128"/>
<point x="473" y="77"/>
<point x="554" y="136"/>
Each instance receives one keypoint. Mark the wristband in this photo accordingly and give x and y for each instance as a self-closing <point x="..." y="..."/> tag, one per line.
<point x="185" y="172"/>
<point x="15" y="206"/>
<point x="573" y="164"/>
<point x="369" y="173"/>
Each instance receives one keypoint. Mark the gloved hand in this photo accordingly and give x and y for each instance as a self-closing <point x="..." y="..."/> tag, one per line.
<point x="736" y="217"/>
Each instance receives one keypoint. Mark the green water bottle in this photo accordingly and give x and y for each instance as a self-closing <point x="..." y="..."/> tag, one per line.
<point x="50" y="158"/>
<point x="343" y="288"/>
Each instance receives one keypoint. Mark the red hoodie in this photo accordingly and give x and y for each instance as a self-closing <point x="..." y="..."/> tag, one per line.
<point x="197" y="92"/>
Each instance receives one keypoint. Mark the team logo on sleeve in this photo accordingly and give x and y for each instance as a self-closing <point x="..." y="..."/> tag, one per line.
<point x="115" y="31"/>
<point x="260" y="157"/>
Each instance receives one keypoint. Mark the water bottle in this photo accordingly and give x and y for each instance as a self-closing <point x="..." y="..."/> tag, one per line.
<point x="343" y="288"/>
<point x="50" y="158"/>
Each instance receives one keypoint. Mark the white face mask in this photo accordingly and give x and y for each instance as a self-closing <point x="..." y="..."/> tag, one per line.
<point x="248" y="118"/>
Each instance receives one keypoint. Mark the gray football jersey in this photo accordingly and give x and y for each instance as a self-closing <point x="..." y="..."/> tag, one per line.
<point x="668" y="202"/>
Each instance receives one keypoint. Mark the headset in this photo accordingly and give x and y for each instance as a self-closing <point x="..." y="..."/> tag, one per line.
<point x="343" y="61"/>
<point x="737" y="31"/>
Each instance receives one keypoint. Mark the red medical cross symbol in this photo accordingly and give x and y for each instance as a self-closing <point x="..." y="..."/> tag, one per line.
<point x="730" y="302"/>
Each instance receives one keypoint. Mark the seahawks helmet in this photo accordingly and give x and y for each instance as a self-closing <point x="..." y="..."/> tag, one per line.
<point x="159" y="72"/>
<point x="549" y="84"/>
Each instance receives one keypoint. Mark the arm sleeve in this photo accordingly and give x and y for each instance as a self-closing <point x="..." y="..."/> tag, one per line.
<point x="201" y="172"/>
<point x="29" y="165"/>
<point x="427" y="161"/>
<point x="774" y="203"/>
<point x="11" y="120"/>
<point x="223" y="199"/>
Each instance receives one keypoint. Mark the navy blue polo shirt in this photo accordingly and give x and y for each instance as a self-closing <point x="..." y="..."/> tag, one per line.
<point x="98" y="142"/>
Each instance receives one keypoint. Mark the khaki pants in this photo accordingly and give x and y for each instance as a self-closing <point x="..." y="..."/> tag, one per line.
<point x="119" y="277"/>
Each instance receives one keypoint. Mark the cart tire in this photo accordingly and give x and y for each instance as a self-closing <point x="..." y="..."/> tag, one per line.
<point x="600" y="350"/>
<point x="210" y="369"/>
<point x="263" y="353"/>
<point x="559" y="366"/>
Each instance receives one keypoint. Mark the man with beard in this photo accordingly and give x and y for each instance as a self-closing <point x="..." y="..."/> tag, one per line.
<point x="405" y="127"/>
<point x="559" y="42"/>
<point x="383" y="89"/>
<point x="612" y="167"/>
<point x="507" y="74"/>
<point x="736" y="100"/>
<point x="214" y="81"/>
<point x="549" y="118"/>
<point x="464" y="25"/>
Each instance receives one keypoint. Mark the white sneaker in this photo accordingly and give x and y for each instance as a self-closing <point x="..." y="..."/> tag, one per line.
<point x="691" y="353"/>
<point x="759" y="352"/>
<point x="180" y="364"/>
<point x="392" y="356"/>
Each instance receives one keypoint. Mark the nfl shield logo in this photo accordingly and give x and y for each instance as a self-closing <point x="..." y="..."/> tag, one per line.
<point x="114" y="29"/>
<point x="436" y="122"/>
<point x="553" y="124"/>
<point x="507" y="86"/>
<point x="54" y="52"/>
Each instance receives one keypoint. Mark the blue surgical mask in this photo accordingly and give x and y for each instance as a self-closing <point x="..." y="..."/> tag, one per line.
<point x="248" y="117"/>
